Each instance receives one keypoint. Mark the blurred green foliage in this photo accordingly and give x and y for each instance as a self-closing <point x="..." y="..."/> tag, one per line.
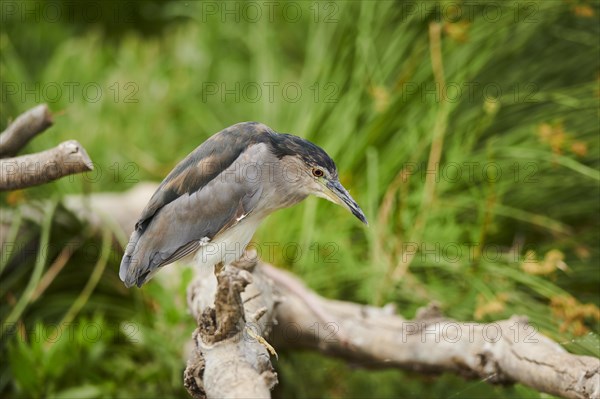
<point x="509" y="225"/>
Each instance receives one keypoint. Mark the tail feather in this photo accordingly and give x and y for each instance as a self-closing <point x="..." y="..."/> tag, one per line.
<point x="145" y="254"/>
<point x="129" y="269"/>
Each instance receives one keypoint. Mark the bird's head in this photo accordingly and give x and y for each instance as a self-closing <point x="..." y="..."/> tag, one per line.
<point x="307" y="168"/>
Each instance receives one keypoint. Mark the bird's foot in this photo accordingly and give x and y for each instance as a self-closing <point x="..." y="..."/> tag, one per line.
<point x="263" y="342"/>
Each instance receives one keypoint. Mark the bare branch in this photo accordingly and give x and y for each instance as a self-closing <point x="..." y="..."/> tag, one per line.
<point x="223" y="342"/>
<point x="65" y="159"/>
<point x="503" y="352"/>
<point x="23" y="129"/>
<point x="506" y="351"/>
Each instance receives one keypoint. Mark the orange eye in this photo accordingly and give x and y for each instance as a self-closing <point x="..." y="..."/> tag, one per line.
<point x="317" y="172"/>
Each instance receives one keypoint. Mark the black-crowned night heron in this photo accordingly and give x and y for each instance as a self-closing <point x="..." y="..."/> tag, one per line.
<point x="214" y="200"/>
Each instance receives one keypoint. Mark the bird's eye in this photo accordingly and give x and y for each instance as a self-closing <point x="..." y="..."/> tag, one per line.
<point x="317" y="172"/>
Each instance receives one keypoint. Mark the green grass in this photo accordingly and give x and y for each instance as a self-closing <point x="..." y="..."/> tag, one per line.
<point x="527" y="109"/>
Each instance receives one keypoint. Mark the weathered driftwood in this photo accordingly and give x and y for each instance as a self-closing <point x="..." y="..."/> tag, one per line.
<point x="24" y="128"/>
<point x="229" y="363"/>
<point x="65" y="159"/>
<point x="229" y="360"/>
<point x="505" y="351"/>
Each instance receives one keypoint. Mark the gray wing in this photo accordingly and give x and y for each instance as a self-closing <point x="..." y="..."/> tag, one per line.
<point x="202" y="165"/>
<point x="179" y="227"/>
<point x="194" y="203"/>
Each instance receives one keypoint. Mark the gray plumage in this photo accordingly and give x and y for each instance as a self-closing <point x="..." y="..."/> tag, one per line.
<point x="214" y="199"/>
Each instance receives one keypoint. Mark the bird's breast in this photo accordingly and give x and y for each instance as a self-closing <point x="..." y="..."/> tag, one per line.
<point x="229" y="245"/>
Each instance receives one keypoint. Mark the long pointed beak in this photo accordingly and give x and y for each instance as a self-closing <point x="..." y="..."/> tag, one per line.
<point x="341" y="196"/>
